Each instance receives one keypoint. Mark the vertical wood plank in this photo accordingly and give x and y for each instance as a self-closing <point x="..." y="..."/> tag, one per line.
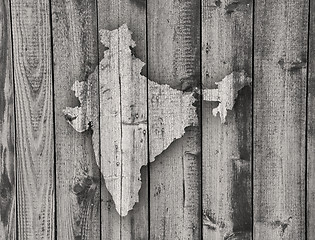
<point x="7" y="129"/>
<point x="175" y="175"/>
<point x="75" y="57"/>
<point x="34" y="115"/>
<point x="281" y="29"/>
<point x="311" y="128"/>
<point x="227" y="147"/>
<point x="112" y="15"/>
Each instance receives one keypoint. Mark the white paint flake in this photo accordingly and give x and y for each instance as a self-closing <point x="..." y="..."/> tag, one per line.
<point x="226" y="93"/>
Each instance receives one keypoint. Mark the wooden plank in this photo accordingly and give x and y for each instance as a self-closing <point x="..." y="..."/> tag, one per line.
<point x="281" y="29"/>
<point x="112" y="15"/>
<point x="75" y="57"/>
<point x="311" y="128"/>
<point x="7" y="129"/>
<point x="34" y="115"/>
<point x="226" y="142"/>
<point x="173" y="59"/>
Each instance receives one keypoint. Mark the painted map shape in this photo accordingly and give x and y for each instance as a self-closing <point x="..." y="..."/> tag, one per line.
<point x="116" y="110"/>
<point x="226" y="93"/>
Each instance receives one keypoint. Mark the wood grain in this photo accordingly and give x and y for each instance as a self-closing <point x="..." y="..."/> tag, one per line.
<point x="123" y="118"/>
<point x="173" y="59"/>
<point x="279" y="119"/>
<point x="311" y="128"/>
<point x="226" y="145"/>
<point x="7" y="129"/>
<point x="75" y="49"/>
<point x="251" y="161"/>
<point x="112" y="15"/>
<point x="34" y="115"/>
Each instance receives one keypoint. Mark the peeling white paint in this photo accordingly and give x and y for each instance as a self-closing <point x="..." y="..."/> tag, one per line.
<point x="170" y="112"/>
<point x="226" y="93"/>
<point x="120" y="108"/>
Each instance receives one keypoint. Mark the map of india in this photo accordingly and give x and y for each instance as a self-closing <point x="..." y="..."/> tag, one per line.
<point x="114" y="102"/>
<point x="123" y="108"/>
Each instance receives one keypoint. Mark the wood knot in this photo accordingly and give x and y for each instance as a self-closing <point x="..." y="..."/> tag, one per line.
<point x="140" y="3"/>
<point x="237" y="6"/>
<point x="293" y="65"/>
<point x="282" y="224"/>
<point x="218" y="3"/>
<point x="83" y="185"/>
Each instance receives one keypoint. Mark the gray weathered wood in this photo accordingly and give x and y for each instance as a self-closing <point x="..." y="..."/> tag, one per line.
<point x="279" y="119"/>
<point x="98" y="167"/>
<point x="112" y="15"/>
<point x="34" y="119"/>
<point x="311" y="128"/>
<point x="173" y="59"/>
<point x="75" y="57"/>
<point x="7" y="129"/>
<point x="226" y="141"/>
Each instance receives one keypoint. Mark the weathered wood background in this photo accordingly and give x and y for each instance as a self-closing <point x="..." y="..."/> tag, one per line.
<point x="251" y="176"/>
